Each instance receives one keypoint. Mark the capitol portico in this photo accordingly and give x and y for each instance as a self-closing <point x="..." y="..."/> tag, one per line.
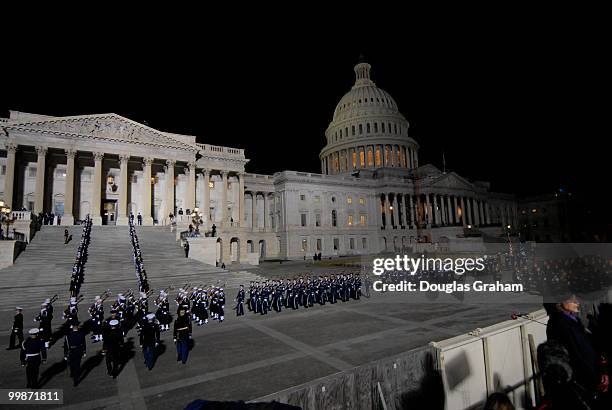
<point x="371" y="196"/>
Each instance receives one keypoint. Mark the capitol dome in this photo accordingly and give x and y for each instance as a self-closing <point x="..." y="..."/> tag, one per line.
<point x="367" y="131"/>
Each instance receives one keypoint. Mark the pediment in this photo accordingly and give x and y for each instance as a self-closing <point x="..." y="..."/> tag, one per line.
<point x="452" y="180"/>
<point x="105" y="126"/>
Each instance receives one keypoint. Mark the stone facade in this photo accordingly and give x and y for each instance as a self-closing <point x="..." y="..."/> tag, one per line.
<point x="372" y="196"/>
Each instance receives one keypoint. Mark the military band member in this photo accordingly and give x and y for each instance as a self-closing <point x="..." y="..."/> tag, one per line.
<point x="74" y="350"/>
<point x="44" y="319"/>
<point x="33" y="352"/>
<point x="182" y="335"/>
<point x="17" y="329"/>
<point x="163" y="311"/>
<point x="112" y="345"/>
<point x="149" y="339"/>
<point x="96" y="312"/>
<point x="240" y="301"/>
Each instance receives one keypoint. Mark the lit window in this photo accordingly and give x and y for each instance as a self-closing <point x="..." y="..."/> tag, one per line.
<point x="362" y="220"/>
<point x="354" y="159"/>
<point x="349" y="200"/>
<point x="362" y="201"/>
<point x="350" y="220"/>
<point x="211" y="185"/>
<point x="378" y="158"/>
<point x="370" y="158"/>
<point x="304" y="245"/>
<point x="361" y="159"/>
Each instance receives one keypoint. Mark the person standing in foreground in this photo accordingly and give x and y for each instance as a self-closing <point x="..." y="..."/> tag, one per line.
<point x="182" y="335"/>
<point x="74" y="351"/>
<point x="66" y="236"/>
<point x="240" y="301"/>
<point x="33" y="351"/>
<point x="149" y="340"/>
<point x="186" y="247"/>
<point x="113" y="342"/>
<point x="17" y="330"/>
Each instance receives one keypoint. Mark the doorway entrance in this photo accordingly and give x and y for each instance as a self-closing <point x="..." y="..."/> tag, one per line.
<point x="109" y="212"/>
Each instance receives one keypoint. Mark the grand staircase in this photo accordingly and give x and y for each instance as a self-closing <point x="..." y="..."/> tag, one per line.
<point x="44" y="268"/>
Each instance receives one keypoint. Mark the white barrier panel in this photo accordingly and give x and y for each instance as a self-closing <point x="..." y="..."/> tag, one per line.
<point x="493" y="359"/>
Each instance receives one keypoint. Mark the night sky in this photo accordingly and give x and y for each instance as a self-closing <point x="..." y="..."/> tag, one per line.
<point x="518" y="107"/>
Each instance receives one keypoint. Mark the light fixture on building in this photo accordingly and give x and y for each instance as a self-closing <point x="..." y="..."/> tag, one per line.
<point x="211" y="184"/>
<point x="110" y="180"/>
<point x="469" y="226"/>
<point x="509" y="226"/>
<point x="391" y="208"/>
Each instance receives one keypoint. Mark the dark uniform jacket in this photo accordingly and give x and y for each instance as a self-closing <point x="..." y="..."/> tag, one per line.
<point x="149" y="335"/>
<point x="182" y="327"/>
<point x="583" y="357"/>
<point x="74" y="342"/>
<point x="18" y="322"/>
<point x="113" y="339"/>
<point x="33" y="348"/>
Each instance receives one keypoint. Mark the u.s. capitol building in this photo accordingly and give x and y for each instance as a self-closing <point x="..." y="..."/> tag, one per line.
<point x="372" y="194"/>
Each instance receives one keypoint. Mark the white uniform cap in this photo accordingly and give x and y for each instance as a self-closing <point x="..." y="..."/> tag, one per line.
<point x="151" y="316"/>
<point x="143" y="295"/>
<point x="33" y="331"/>
<point x="47" y="301"/>
<point x="18" y="308"/>
<point x="113" y="322"/>
<point x="98" y="298"/>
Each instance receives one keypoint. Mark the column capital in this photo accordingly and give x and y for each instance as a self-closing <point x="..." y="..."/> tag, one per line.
<point x="147" y="161"/>
<point x="71" y="153"/>
<point x="124" y="158"/>
<point x="224" y="173"/>
<point x="10" y="147"/>
<point x="205" y="171"/>
<point x="41" y="150"/>
<point x="98" y="156"/>
<point x="191" y="164"/>
<point x="170" y="162"/>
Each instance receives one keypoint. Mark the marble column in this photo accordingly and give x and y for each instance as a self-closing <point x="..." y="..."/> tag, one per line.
<point x="241" y="199"/>
<point x="96" y="187"/>
<point x="428" y="207"/>
<point x="456" y="210"/>
<point x="224" y="218"/>
<point x="206" y="200"/>
<point x="254" y="210"/>
<point x="68" y="218"/>
<point x="170" y="201"/>
<point x="147" y="219"/>
<point x="481" y="213"/>
<point x="444" y="218"/>
<point x="411" y="210"/>
<point x="40" y="180"/>
<point x="463" y="212"/>
<point x="191" y="187"/>
<point x="450" y="212"/>
<point x="383" y="211"/>
<point x="266" y="216"/>
<point x="9" y="178"/>
<point x="124" y="184"/>
<point x="435" y="212"/>
<point x="395" y="210"/>
<point x="470" y="221"/>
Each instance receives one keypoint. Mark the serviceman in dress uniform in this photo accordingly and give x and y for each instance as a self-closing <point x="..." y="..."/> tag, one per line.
<point x="17" y="330"/>
<point x="74" y="350"/>
<point x="240" y="301"/>
<point x="96" y="312"/>
<point x="113" y="343"/>
<point x="33" y="352"/>
<point x="149" y="339"/>
<point x="163" y="310"/>
<point x="44" y="318"/>
<point x="182" y="335"/>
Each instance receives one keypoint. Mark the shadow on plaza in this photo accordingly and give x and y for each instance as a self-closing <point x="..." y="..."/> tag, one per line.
<point x="52" y="371"/>
<point x="127" y="354"/>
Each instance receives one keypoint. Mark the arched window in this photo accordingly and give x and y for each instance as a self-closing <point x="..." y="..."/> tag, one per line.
<point x="375" y="127"/>
<point x="382" y="125"/>
<point x="334" y="218"/>
<point x="368" y="127"/>
<point x="360" y="128"/>
<point x="352" y="130"/>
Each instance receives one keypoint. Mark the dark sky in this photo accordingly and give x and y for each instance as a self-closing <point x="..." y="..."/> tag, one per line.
<point x="522" y="107"/>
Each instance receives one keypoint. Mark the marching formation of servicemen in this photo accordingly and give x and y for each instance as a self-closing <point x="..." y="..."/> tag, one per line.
<point x="305" y="292"/>
<point x="143" y="284"/>
<point x="78" y="270"/>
